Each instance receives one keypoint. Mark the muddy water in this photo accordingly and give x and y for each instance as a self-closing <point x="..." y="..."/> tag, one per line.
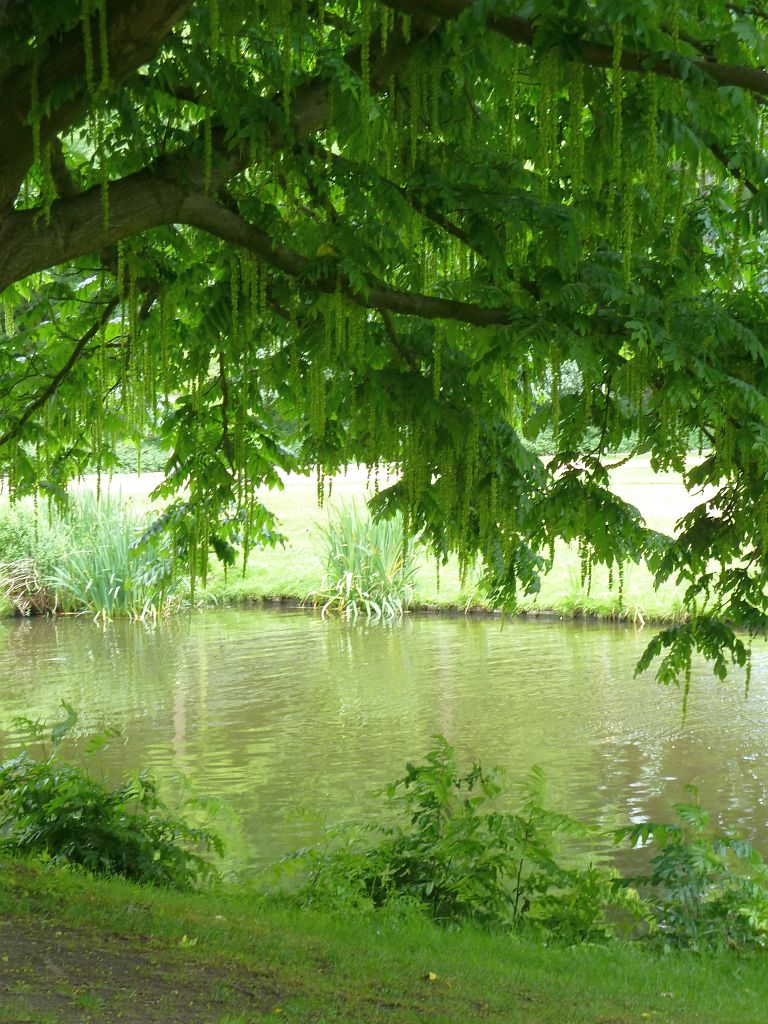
<point x="292" y="721"/>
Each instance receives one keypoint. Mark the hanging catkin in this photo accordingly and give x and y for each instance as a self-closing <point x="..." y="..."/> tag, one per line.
<point x="575" y="127"/>
<point x="651" y="154"/>
<point x="207" y="154"/>
<point x="617" y="100"/>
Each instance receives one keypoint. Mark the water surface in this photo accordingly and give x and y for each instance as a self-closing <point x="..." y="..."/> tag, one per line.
<point x="293" y="721"/>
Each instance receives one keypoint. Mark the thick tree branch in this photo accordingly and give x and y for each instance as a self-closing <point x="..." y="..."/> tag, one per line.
<point x="523" y="30"/>
<point x="137" y="203"/>
<point x="145" y="200"/>
<point x="149" y="199"/>
<point x="135" y="29"/>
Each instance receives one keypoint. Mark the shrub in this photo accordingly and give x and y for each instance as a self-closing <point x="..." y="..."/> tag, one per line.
<point x="707" y="889"/>
<point x="451" y="852"/>
<point x="60" y="811"/>
<point x="370" y="569"/>
<point x="153" y="457"/>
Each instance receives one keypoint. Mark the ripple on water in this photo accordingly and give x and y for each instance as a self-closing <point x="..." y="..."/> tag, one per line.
<point x="291" y="720"/>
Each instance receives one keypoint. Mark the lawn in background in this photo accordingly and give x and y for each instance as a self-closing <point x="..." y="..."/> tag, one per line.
<point x="296" y="569"/>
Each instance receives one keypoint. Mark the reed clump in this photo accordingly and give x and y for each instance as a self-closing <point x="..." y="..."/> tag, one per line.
<point x="86" y="559"/>
<point x="370" y="567"/>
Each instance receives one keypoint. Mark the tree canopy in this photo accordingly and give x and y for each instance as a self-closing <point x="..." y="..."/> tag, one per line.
<point x="292" y="234"/>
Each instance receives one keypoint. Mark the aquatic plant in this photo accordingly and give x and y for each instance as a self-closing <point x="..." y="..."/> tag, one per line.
<point x="86" y="559"/>
<point x="369" y="565"/>
<point x="31" y="548"/>
<point x="106" y="572"/>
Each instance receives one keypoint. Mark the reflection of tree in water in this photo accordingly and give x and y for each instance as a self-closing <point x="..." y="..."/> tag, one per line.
<point x="274" y="711"/>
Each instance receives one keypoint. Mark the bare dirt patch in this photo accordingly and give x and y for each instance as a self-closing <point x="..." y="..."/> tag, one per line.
<point x="71" y="975"/>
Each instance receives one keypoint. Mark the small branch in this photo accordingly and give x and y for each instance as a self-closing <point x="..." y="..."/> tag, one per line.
<point x="392" y="334"/>
<point x="748" y="12"/>
<point x="60" y="171"/>
<point x="423" y="207"/>
<point x="50" y="390"/>
<point x="737" y="173"/>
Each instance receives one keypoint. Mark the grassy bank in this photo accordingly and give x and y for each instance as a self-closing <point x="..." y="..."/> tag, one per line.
<point x="296" y="569"/>
<point x="77" y="949"/>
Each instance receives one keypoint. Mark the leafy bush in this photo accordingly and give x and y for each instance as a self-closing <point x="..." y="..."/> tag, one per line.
<point x="153" y="457"/>
<point x="463" y="861"/>
<point x="370" y="569"/>
<point x="86" y="559"/>
<point x="449" y="851"/>
<point x="60" y="811"/>
<point x="105" y="572"/>
<point x="707" y="889"/>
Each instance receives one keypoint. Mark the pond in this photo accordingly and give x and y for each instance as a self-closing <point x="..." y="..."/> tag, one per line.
<point x="292" y="721"/>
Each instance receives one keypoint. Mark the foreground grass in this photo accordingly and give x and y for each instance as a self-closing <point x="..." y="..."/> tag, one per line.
<point x="76" y="949"/>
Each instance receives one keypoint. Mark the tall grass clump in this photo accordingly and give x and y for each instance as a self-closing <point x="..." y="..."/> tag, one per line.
<point x="85" y="559"/>
<point x="105" y="572"/>
<point x="369" y="567"/>
<point x="31" y="548"/>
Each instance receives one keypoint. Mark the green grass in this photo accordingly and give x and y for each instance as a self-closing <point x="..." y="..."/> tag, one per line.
<point x="76" y="948"/>
<point x="295" y="570"/>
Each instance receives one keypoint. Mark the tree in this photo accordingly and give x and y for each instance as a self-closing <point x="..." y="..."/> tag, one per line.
<point x="297" y="234"/>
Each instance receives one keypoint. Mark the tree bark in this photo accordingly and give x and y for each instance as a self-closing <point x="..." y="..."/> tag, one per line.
<point x="135" y="29"/>
<point x="522" y="30"/>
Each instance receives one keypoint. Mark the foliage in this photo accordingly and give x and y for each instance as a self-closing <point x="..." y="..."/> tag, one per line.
<point x="370" y="565"/>
<point x="105" y="571"/>
<point x="452" y="853"/>
<point x="85" y="558"/>
<point x="707" y="889"/>
<point x="296" y="237"/>
<point x="51" y="808"/>
<point x="545" y="443"/>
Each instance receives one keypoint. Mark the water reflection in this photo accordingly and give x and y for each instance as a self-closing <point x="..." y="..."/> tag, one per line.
<point x="275" y="711"/>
